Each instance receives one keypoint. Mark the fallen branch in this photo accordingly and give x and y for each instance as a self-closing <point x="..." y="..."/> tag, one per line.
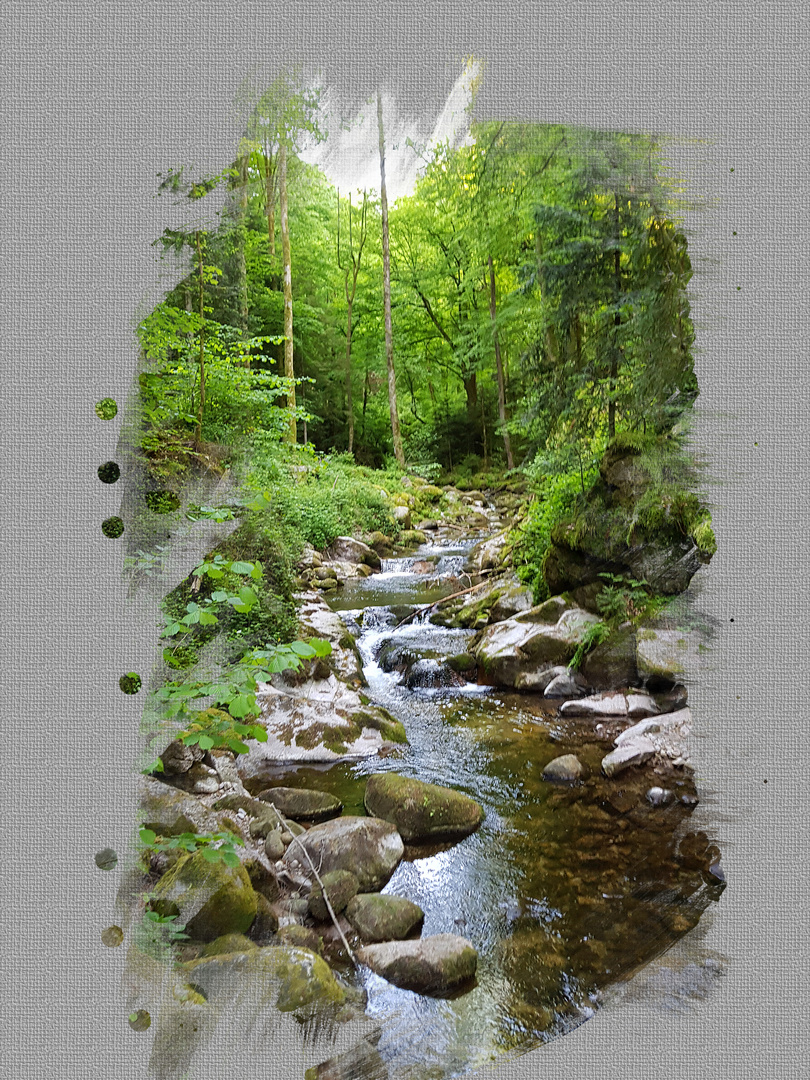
<point x="329" y="908"/>
<point x="429" y="607"/>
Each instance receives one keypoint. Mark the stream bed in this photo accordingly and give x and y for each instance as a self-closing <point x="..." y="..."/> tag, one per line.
<point x="563" y="891"/>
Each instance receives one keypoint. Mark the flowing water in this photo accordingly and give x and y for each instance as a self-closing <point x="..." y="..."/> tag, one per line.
<point x="562" y="891"/>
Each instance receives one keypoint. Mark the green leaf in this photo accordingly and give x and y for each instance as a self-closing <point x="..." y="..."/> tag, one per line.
<point x="321" y="647"/>
<point x="219" y="595"/>
<point x="242" y="567"/>
<point x="300" y="648"/>
<point x="210" y="854"/>
<point x="205" y="742"/>
<point x="147" y="836"/>
<point x="230" y="858"/>
<point x="238" y="746"/>
<point x="259" y="733"/>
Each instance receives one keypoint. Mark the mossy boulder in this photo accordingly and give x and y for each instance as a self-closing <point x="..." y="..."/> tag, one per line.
<point x="377" y="917"/>
<point x="228" y="943"/>
<point x="292" y="978"/>
<point x="432" y="965"/>
<point x="612" y="663"/>
<point x="302" y="804"/>
<point x="210" y="898"/>
<point x="370" y="847"/>
<point x="421" y="811"/>
<point x="340" y="886"/>
<point x="302" y="937"/>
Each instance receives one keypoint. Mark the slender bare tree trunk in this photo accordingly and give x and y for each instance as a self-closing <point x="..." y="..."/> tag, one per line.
<point x="289" y="370"/>
<point x="241" y="215"/>
<point x="270" y="199"/>
<point x="510" y="463"/>
<point x="201" y="402"/>
<point x="389" y="334"/>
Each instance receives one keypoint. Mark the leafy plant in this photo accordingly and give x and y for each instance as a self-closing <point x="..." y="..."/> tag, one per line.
<point x="594" y="635"/>
<point x="215" y="847"/>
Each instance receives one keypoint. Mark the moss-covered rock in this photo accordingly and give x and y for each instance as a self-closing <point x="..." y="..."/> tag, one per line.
<point x="421" y="811"/>
<point x="301" y="937"/>
<point x="377" y="917"/>
<point x="612" y="663"/>
<point x="228" y="943"/>
<point x="290" y="977"/>
<point x="518" y="651"/>
<point x="340" y="886"/>
<point x="210" y="898"/>
<point x="302" y="804"/>
<point x="431" y="965"/>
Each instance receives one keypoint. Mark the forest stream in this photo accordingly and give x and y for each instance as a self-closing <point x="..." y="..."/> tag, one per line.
<point x="563" y="890"/>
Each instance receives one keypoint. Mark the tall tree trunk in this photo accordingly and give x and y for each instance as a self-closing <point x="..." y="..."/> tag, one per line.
<point x="241" y="265"/>
<point x="270" y="200"/>
<point x="289" y="370"/>
<point x="617" y="320"/>
<point x="389" y="335"/>
<point x="201" y="402"/>
<point x="349" y="405"/>
<point x="510" y="463"/>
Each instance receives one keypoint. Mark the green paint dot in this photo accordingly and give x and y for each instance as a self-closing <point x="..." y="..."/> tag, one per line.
<point x="734" y="233"/>
<point x="106" y="409"/>
<point x="112" y="527"/>
<point x="109" y="472"/>
<point x="738" y="288"/>
<point x="130" y="683"/>
<point x="106" y="859"/>
<point x="731" y="169"/>
<point x="140" y="1020"/>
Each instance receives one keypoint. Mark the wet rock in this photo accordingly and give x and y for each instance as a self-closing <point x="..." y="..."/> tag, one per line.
<point x="316" y="619"/>
<point x="599" y="705"/>
<point x="428" y="525"/>
<point x="346" y="549"/>
<point x="487" y="555"/>
<point x="200" y="779"/>
<point x="432" y="674"/>
<point x="565" y="684"/>
<point x="421" y="811"/>
<point x="513" y="598"/>
<point x="565" y="769"/>
<point x="634" y="752"/>
<point x="340" y="886"/>
<point x="431" y="965"/>
<point x="382" y="544"/>
<point x="422" y="566"/>
<point x="412" y="538"/>
<point x="302" y="804"/>
<point x="211" y="899"/>
<point x="463" y="664"/>
<point x="612" y="663"/>
<point x="524" y="645"/>
<point x="369" y="847"/>
<point x="377" y="917"/>
<point x="402" y="516"/>
<point x="223" y="762"/>
<point x="658" y="796"/>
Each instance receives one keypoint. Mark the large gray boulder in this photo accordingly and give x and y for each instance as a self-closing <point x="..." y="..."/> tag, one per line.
<point x="431" y="965"/>
<point x="528" y="646"/>
<point x="369" y="847"/>
<point x="345" y="549"/>
<point x="421" y="811"/>
<point x="664" y="656"/>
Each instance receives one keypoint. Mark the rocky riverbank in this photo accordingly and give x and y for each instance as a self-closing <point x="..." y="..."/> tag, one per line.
<point x="302" y="904"/>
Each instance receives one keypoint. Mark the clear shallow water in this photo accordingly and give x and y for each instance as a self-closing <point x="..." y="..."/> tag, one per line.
<point x="562" y="891"/>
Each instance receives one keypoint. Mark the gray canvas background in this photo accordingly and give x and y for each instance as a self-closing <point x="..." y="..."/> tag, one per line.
<point x="97" y="100"/>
